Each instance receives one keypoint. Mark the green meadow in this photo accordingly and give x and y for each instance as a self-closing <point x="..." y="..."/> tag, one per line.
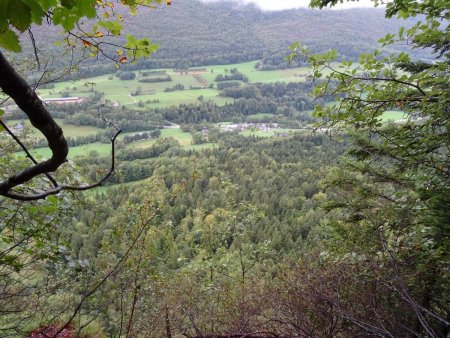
<point x="184" y="138"/>
<point x="143" y="95"/>
<point x="101" y="148"/>
<point x="393" y="115"/>
<point x="139" y="95"/>
<point x="272" y="133"/>
<point x="254" y="75"/>
<point x="69" y="129"/>
<point x="178" y="97"/>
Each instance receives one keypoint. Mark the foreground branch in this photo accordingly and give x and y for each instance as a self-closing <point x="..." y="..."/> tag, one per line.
<point x="60" y="188"/>
<point x="13" y="85"/>
<point x="26" y="99"/>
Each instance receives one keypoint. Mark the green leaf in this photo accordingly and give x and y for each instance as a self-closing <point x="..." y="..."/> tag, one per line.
<point x="3" y="16"/>
<point x="46" y="4"/>
<point x="10" y="41"/>
<point x="19" y="14"/>
<point x="64" y="17"/>
<point x="37" y="12"/>
<point x="113" y="27"/>
<point x="86" y="8"/>
<point x="69" y="4"/>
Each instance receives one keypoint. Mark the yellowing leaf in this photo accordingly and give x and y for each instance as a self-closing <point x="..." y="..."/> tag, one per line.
<point x="106" y="15"/>
<point x="169" y="2"/>
<point x="123" y="59"/>
<point x="98" y="34"/>
<point x="86" y="44"/>
<point x="119" y="52"/>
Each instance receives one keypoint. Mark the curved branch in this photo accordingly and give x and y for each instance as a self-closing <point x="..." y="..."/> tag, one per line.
<point x="16" y="139"/>
<point x="60" y="188"/>
<point x="26" y="99"/>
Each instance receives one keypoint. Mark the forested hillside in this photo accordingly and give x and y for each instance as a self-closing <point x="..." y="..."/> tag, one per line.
<point x="197" y="33"/>
<point x="301" y="194"/>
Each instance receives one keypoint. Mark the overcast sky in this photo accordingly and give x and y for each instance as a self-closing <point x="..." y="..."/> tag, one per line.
<point x="287" y="4"/>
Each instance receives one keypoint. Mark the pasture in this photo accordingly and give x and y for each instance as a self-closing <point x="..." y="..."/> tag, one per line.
<point x="143" y="95"/>
<point x="69" y="129"/>
<point x="101" y="148"/>
<point x="272" y="133"/>
<point x="393" y="115"/>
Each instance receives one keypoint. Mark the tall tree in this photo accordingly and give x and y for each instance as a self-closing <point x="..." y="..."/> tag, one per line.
<point x="393" y="195"/>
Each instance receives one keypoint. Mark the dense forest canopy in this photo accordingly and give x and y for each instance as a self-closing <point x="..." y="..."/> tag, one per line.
<point x="202" y="226"/>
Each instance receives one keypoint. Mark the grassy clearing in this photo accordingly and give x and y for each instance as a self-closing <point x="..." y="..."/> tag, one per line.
<point x="393" y="115"/>
<point x="101" y="148"/>
<point x="184" y="138"/>
<point x="254" y="75"/>
<point x="69" y="129"/>
<point x="201" y="146"/>
<point x="122" y="92"/>
<point x="176" y="98"/>
<point x="256" y="133"/>
<point x="260" y="116"/>
<point x="272" y="133"/>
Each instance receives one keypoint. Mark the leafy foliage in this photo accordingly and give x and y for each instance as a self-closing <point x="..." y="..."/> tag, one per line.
<point x="19" y="15"/>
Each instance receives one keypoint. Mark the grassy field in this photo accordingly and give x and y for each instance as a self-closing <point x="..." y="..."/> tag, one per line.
<point x="260" y="116"/>
<point x="184" y="138"/>
<point x="393" y="115"/>
<point x="260" y="133"/>
<point x="101" y="148"/>
<point x="176" y="98"/>
<point x="201" y="146"/>
<point x="130" y="92"/>
<point x="141" y="95"/>
<point x="69" y="129"/>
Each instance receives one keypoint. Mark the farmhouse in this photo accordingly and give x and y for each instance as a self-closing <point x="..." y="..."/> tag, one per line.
<point x="62" y="100"/>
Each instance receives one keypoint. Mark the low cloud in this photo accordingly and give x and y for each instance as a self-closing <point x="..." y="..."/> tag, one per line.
<point x="273" y="5"/>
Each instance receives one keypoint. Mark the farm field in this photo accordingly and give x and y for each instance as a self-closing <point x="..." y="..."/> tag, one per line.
<point x="139" y="95"/>
<point x="175" y="98"/>
<point x="184" y="138"/>
<point x="272" y="133"/>
<point x="201" y="146"/>
<point x="69" y="129"/>
<point x="260" y="116"/>
<point x="254" y="75"/>
<point x="142" y="95"/>
<point x="101" y="148"/>
<point x="393" y="115"/>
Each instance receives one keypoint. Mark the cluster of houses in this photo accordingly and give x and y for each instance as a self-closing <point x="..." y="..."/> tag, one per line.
<point x="250" y="125"/>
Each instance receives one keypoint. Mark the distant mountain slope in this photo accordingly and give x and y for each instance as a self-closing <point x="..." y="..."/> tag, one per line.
<point x="189" y="28"/>
<point x="193" y="33"/>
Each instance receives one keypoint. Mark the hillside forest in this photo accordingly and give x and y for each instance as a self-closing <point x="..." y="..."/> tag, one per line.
<point x="209" y="169"/>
